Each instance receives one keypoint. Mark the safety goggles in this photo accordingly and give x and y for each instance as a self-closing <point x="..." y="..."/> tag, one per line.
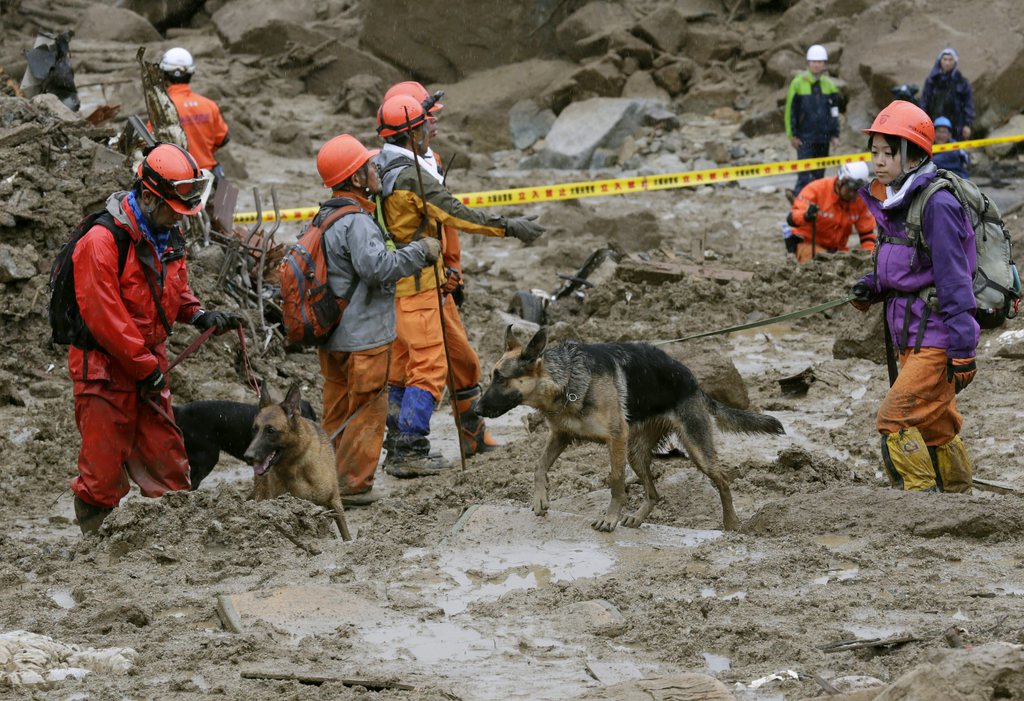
<point x="191" y="192"/>
<point x="853" y="183"/>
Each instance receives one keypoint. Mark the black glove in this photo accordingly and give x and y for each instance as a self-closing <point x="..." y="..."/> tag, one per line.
<point x="863" y="296"/>
<point x="152" y="383"/>
<point x="524" y="228"/>
<point x="223" y="321"/>
<point x="961" y="371"/>
<point x="812" y="212"/>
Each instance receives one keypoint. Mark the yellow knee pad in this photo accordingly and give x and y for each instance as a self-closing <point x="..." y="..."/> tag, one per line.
<point x="954" y="467"/>
<point x="908" y="462"/>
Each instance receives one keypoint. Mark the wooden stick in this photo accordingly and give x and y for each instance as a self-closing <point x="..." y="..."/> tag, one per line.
<point x="318" y="678"/>
<point x="229" y="617"/>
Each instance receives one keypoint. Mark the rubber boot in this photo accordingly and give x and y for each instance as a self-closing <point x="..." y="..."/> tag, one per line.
<point x="90" y="517"/>
<point x="908" y="461"/>
<point x="475" y="436"/>
<point x="953" y="466"/>
<point x="395" y="394"/>
<point x="411" y="456"/>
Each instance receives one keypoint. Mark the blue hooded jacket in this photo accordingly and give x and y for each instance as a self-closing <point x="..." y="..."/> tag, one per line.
<point x="949" y="94"/>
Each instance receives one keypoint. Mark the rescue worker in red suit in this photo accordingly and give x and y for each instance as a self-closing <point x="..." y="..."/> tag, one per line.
<point x="129" y="314"/>
<point x="200" y="117"/>
<point x="464" y="360"/>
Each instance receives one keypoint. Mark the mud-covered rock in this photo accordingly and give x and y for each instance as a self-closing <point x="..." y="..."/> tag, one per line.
<point x="679" y="687"/>
<point x="580" y="34"/>
<point x="992" y="671"/>
<point x="863" y="338"/>
<point x="106" y="23"/>
<point x="17" y="264"/>
<point x="528" y="123"/>
<point x="237" y="20"/>
<point x="718" y="376"/>
<point x="665" y="28"/>
<point x="583" y="127"/>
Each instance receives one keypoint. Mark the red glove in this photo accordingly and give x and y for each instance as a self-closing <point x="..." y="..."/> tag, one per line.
<point x="961" y="371"/>
<point x="452" y="281"/>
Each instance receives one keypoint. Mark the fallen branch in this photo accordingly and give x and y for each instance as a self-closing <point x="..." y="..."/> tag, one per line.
<point x="318" y="678"/>
<point x="309" y="549"/>
<point x="860" y="644"/>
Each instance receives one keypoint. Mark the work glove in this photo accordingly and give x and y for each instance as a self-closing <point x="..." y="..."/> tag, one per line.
<point x="431" y="248"/>
<point x="812" y="212"/>
<point x="223" y="321"/>
<point x="863" y="296"/>
<point x="453" y="286"/>
<point x="152" y="383"/>
<point x="524" y="228"/>
<point x="960" y="371"/>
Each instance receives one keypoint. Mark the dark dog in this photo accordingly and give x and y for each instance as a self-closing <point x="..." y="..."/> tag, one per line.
<point x="210" y="427"/>
<point x="291" y="455"/>
<point x="627" y="395"/>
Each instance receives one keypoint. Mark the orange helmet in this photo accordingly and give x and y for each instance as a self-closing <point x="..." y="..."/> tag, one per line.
<point x="415" y="90"/>
<point x="907" y="121"/>
<point x="339" y="158"/>
<point x="398" y="114"/>
<point x="170" y="173"/>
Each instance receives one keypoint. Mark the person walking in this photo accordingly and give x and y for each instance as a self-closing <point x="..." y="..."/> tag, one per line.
<point x="122" y="402"/>
<point x="416" y="205"/>
<point x="947" y="93"/>
<point x="955" y="160"/>
<point x="826" y="210"/>
<point x="200" y="117"/>
<point x="363" y="266"/>
<point x="812" y="115"/>
<point x="926" y="288"/>
<point x="465" y="362"/>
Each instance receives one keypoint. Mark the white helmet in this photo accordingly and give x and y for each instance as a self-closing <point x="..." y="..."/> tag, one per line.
<point x="857" y="174"/>
<point x="817" y="53"/>
<point x="177" y="62"/>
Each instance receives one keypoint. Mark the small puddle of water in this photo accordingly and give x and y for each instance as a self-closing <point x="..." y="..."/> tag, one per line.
<point x="716" y="663"/>
<point x="63" y="598"/>
<point x="833" y="541"/>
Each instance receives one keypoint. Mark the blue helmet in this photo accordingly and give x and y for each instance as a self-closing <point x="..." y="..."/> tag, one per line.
<point x="944" y="122"/>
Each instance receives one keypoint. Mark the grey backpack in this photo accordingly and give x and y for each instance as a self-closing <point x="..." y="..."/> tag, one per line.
<point x="997" y="286"/>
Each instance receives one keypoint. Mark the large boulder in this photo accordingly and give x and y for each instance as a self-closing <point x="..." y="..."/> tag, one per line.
<point x="578" y="36"/>
<point x="104" y="23"/>
<point x="528" y="122"/>
<point x="666" y="28"/>
<point x="584" y="127"/>
<point x="424" y="39"/>
<point x="236" y="21"/>
<point x="164" y="13"/>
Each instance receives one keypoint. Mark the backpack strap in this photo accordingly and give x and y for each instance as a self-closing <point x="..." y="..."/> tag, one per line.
<point x="344" y="206"/>
<point x="915" y="215"/>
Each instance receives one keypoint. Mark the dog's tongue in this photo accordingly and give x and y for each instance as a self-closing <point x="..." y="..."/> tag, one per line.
<point x="261" y="468"/>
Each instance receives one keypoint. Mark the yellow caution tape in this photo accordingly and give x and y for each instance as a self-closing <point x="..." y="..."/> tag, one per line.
<point x="648" y="183"/>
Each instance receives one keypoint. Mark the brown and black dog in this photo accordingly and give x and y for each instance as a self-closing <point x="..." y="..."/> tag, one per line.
<point x="290" y="454"/>
<point x="627" y="395"/>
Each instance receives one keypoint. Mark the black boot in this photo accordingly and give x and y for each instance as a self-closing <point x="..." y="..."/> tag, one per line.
<point x="90" y="517"/>
<point x="411" y="457"/>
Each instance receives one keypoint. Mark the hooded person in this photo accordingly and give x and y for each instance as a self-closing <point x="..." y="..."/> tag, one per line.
<point x="929" y="302"/>
<point x="947" y="93"/>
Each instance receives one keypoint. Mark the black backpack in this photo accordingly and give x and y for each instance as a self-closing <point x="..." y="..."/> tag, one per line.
<point x="66" y="325"/>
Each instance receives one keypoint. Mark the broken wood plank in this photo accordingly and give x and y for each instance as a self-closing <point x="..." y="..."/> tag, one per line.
<point x="229" y="617"/>
<point x="860" y="644"/>
<point x="660" y="272"/>
<point x="994" y="487"/>
<point x="318" y="678"/>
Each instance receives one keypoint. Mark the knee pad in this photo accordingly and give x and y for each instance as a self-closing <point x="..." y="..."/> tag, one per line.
<point x="908" y="462"/>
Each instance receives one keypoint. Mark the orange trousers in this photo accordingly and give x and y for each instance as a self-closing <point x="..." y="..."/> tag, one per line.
<point x="418" y="357"/>
<point x="356" y="382"/>
<point x="922" y="398"/>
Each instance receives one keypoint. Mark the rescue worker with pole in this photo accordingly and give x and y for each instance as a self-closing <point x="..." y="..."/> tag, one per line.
<point x="412" y="211"/>
<point x="929" y="301"/>
<point x="826" y="210"/>
<point x="122" y="403"/>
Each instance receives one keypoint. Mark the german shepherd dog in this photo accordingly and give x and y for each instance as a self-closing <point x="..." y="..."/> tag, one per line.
<point x="211" y="426"/>
<point x="627" y="395"/>
<point x="290" y="454"/>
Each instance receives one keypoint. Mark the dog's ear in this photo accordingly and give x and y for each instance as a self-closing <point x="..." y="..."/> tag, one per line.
<point x="292" y="403"/>
<point x="536" y="346"/>
<point x="265" y="398"/>
<point x="511" y="342"/>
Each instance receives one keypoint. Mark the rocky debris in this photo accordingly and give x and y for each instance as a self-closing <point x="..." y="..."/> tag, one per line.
<point x="17" y="264"/>
<point x="678" y="687"/>
<point x="106" y="23"/>
<point x="528" y="123"/>
<point x="863" y="338"/>
<point x="164" y="13"/>
<point x="421" y="40"/>
<point x="641" y="86"/>
<point x="585" y="32"/>
<point x="1014" y="126"/>
<point x="585" y="127"/>
<point x="361" y="94"/>
<point x="990" y="671"/>
<point x="597" y="616"/>
<point x="243" y="23"/>
<point x="666" y="28"/>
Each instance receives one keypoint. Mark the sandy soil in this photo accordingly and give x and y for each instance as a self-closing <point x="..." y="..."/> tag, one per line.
<point x="452" y="588"/>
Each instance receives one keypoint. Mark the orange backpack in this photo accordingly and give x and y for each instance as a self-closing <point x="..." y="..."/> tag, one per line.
<point x="310" y="311"/>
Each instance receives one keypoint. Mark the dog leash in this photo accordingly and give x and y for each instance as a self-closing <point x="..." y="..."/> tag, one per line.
<point x="799" y="314"/>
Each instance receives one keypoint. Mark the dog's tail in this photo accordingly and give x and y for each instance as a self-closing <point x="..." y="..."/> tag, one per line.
<point x="740" y="421"/>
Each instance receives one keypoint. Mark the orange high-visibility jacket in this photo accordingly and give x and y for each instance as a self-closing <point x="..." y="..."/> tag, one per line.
<point x="200" y="117"/>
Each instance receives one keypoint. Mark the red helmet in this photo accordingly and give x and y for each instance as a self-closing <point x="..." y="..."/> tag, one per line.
<point x="415" y="90"/>
<point x="398" y="114"/>
<point x="339" y="158"/>
<point x="170" y="173"/>
<point x="906" y="121"/>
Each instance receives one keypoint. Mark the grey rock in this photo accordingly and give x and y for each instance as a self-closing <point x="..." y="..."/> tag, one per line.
<point x="17" y="264"/>
<point x="582" y="127"/>
<point x="641" y="85"/>
<point x="52" y="105"/>
<point x="104" y="23"/>
<point x="666" y="28"/>
<point x="528" y="123"/>
<point x="237" y="19"/>
<point x="577" y="35"/>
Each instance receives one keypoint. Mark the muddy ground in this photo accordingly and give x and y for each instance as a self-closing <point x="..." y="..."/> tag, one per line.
<point x="452" y="589"/>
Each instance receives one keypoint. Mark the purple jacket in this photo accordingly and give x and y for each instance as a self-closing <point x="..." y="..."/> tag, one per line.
<point x="949" y="266"/>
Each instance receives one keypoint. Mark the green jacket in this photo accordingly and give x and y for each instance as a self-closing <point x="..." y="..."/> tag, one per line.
<point x="812" y="108"/>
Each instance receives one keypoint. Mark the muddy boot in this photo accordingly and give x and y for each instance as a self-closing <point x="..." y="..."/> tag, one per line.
<point x="412" y="457"/>
<point x="395" y="394"/>
<point x="475" y="436"/>
<point x="90" y="517"/>
<point x="908" y="462"/>
<point x="953" y="466"/>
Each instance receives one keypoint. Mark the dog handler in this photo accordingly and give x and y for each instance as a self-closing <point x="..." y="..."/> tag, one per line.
<point x="403" y="124"/>
<point x="929" y="306"/>
<point x="464" y="360"/>
<point x="362" y="266"/>
<point x="130" y="315"/>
